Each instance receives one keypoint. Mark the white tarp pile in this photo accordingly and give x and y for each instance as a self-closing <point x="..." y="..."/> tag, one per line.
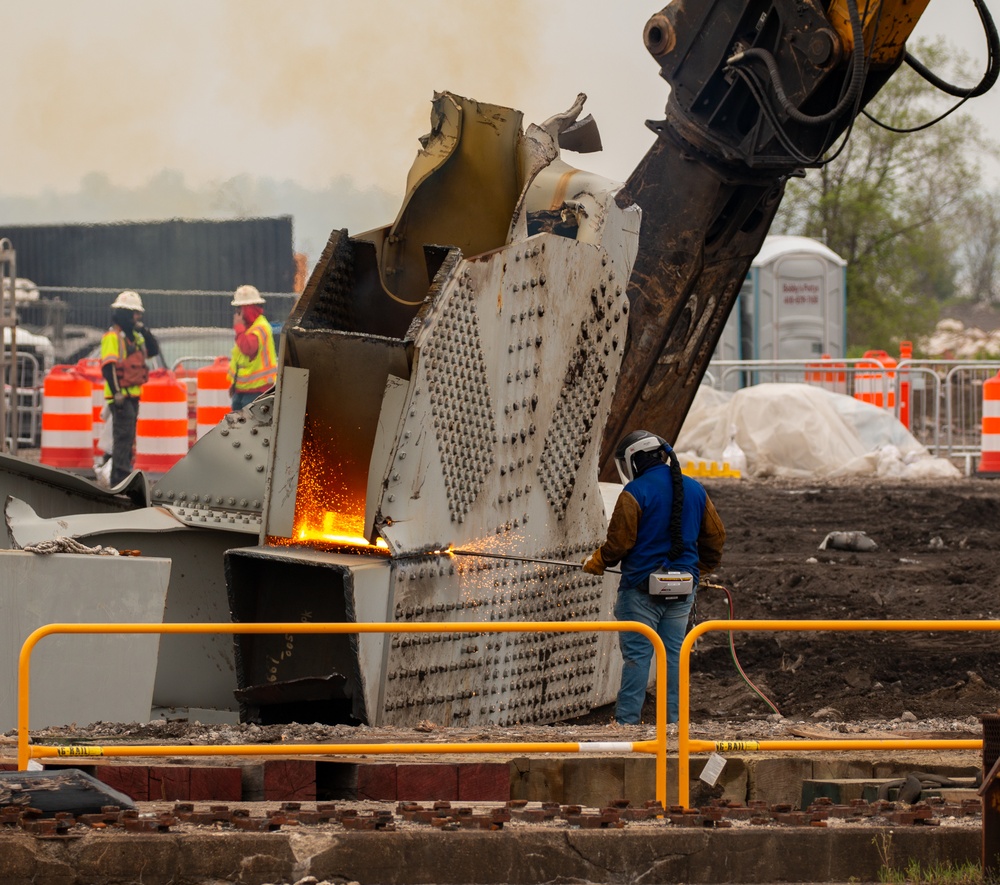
<point x="801" y="431"/>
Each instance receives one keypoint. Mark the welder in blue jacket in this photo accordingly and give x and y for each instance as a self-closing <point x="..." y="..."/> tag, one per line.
<point x="663" y="522"/>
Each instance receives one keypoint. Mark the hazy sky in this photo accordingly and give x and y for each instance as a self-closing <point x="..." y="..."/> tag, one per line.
<point x="311" y="89"/>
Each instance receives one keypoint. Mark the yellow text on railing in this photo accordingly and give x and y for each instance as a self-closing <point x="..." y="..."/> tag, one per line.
<point x="26" y="751"/>
<point x="686" y="746"/>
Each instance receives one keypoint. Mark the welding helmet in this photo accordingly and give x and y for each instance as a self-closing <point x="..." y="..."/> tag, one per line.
<point x="128" y="300"/>
<point x="636" y="452"/>
<point x="246" y="295"/>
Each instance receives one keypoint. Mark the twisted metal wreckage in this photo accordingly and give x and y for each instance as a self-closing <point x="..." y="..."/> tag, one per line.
<point x="457" y="380"/>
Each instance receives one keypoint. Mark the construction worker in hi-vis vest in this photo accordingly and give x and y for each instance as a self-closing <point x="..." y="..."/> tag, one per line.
<point x="124" y="350"/>
<point x="253" y="366"/>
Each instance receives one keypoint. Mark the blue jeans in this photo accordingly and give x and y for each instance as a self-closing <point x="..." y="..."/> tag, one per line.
<point x="241" y="400"/>
<point x="669" y="618"/>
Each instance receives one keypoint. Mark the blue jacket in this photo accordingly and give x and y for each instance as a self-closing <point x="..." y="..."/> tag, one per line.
<point x="653" y="491"/>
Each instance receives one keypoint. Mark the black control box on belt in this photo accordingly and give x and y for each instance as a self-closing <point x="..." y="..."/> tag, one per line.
<point x="671" y="585"/>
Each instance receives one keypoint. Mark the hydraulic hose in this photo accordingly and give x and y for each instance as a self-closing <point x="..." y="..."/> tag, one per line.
<point x="992" y="66"/>
<point x="849" y="97"/>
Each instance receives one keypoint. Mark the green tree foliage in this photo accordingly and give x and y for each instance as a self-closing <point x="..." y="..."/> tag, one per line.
<point x="894" y="206"/>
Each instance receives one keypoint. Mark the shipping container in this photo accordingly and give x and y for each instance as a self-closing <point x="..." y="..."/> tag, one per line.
<point x="174" y="265"/>
<point x="178" y="254"/>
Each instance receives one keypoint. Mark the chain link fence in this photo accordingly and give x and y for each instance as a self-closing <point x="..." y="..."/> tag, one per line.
<point x="74" y="318"/>
<point x="63" y="311"/>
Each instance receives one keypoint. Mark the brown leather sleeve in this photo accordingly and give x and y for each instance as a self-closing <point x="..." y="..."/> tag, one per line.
<point x="622" y="530"/>
<point x="711" y="538"/>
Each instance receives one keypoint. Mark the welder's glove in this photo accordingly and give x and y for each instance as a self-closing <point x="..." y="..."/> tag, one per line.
<point x="594" y="564"/>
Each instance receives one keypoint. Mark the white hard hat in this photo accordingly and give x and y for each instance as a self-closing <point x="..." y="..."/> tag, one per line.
<point x="129" y="300"/>
<point x="245" y="295"/>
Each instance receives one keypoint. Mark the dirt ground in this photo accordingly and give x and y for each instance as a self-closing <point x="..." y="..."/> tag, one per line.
<point x="936" y="558"/>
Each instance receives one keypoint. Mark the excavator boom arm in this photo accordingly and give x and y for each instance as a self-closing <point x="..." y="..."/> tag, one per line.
<point x="759" y="91"/>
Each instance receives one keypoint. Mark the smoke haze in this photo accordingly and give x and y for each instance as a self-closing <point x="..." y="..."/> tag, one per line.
<point x="216" y="106"/>
<point x="221" y="88"/>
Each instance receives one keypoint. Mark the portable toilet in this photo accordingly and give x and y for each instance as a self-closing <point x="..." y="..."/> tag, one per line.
<point x="798" y="308"/>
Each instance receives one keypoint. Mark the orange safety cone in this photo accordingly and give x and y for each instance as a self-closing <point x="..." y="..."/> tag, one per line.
<point x="161" y="435"/>
<point x="989" y="458"/>
<point x="67" y="420"/>
<point x="213" y="400"/>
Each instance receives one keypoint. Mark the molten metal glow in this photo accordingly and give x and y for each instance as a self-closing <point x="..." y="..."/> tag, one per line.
<point x="327" y="513"/>
<point x="337" y="531"/>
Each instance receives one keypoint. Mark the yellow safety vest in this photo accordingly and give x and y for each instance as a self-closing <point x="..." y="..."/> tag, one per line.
<point x="260" y="371"/>
<point x="114" y="348"/>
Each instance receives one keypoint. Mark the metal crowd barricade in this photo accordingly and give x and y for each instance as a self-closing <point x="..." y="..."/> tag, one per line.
<point x="940" y="401"/>
<point x="963" y="384"/>
<point x="946" y="404"/>
<point x="749" y="373"/>
<point x="686" y="746"/>
<point x="27" y="751"/>
<point x="23" y="401"/>
<point x="919" y="391"/>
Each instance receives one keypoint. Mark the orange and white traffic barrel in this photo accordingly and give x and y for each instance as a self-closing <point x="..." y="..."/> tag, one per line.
<point x="827" y="374"/>
<point x="864" y="383"/>
<point x="67" y="420"/>
<point x="91" y="370"/>
<point x="835" y="376"/>
<point x="161" y="434"/>
<point x="213" y="400"/>
<point x="872" y="385"/>
<point x="989" y="458"/>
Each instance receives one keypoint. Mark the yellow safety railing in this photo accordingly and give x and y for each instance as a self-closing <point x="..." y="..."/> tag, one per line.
<point x="686" y="746"/>
<point x="26" y="751"/>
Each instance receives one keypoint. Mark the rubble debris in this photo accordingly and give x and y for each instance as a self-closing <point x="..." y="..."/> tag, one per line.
<point x="856" y="541"/>
<point x="448" y="817"/>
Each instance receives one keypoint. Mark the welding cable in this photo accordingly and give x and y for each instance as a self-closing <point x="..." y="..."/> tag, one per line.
<point x="732" y="651"/>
